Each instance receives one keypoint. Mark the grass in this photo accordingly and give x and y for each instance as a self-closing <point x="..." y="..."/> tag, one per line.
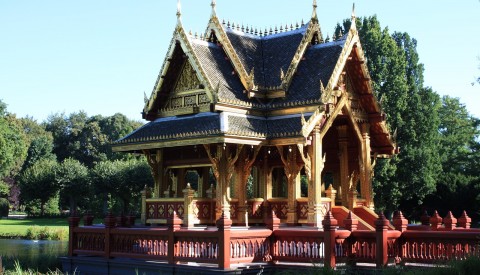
<point x="19" y="228"/>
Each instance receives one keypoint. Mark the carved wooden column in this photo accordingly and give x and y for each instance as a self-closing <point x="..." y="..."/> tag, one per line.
<point x="343" y="155"/>
<point x="366" y="170"/>
<point x="181" y="182"/>
<point x="155" y="161"/>
<point x="223" y="162"/>
<point x="292" y="171"/>
<point x="243" y="167"/>
<point x="265" y="182"/>
<point x="314" y="174"/>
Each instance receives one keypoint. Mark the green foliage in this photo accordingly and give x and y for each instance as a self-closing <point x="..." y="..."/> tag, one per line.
<point x="46" y="233"/>
<point x="459" y="184"/>
<point x="72" y="178"/>
<point x="38" y="183"/>
<point x="33" y="208"/>
<point x="4" y="207"/>
<point x="40" y="148"/>
<point x="4" y="189"/>
<point x="412" y="111"/>
<point x="13" y="143"/>
<point x="45" y="263"/>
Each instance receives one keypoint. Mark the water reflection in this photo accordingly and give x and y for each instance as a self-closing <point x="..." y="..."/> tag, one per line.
<point x="31" y="249"/>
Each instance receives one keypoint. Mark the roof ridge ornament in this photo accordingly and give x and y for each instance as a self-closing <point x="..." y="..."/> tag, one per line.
<point x="353" y="25"/>
<point x="214" y="12"/>
<point x="179" y="13"/>
<point x="314" y="12"/>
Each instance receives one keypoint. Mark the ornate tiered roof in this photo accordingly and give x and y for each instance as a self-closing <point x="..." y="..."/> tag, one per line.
<point x="254" y="87"/>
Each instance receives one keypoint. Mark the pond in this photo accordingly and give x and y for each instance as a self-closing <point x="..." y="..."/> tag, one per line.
<point x="32" y="249"/>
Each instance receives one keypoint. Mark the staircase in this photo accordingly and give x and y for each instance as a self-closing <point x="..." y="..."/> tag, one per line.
<point x="366" y="217"/>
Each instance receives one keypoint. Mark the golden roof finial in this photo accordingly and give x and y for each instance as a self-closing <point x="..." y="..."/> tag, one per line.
<point x="314" y="12"/>
<point x="214" y="12"/>
<point x="179" y="13"/>
<point x="354" y="18"/>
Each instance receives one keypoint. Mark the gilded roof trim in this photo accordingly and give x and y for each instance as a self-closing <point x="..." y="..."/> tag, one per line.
<point x="184" y="40"/>
<point x="313" y="27"/>
<point x="245" y="78"/>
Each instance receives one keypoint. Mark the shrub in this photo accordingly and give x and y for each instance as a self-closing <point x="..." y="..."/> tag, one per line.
<point x="45" y="233"/>
<point x="4" y="207"/>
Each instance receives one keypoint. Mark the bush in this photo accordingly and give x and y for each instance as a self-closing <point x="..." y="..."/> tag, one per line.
<point x="4" y="207"/>
<point x="51" y="208"/>
<point x="45" y="233"/>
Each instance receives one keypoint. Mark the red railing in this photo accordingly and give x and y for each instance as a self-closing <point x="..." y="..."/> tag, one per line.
<point x="433" y="243"/>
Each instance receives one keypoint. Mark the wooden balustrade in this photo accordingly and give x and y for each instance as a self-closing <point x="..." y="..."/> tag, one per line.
<point x="225" y="246"/>
<point x="438" y="246"/>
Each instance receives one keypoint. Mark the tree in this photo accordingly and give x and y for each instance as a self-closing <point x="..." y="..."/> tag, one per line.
<point x="459" y="184"/>
<point x="72" y="178"/>
<point x="12" y="143"/>
<point x="38" y="183"/>
<point x="134" y="176"/>
<point x="104" y="176"/>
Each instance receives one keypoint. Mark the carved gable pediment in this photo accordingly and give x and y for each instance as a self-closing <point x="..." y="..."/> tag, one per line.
<point x="188" y="95"/>
<point x="188" y="80"/>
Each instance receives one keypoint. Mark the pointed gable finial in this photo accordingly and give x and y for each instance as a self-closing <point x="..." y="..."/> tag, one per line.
<point x="314" y="12"/>
<point x="353" y="25"/>
<point x="214" y="12"/>
<point x="179" y="13"/>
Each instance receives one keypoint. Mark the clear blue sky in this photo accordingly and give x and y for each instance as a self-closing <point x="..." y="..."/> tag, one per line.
<point x="101" y="56"/>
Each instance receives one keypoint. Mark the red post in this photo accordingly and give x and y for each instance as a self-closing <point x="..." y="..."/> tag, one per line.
<point x="425" y="218"/>
<point x="272" y="221"/>
<point x="435" y="220"/>
<point x="450" y="221"/>
<point x="109" y="222"/>
<point x="399" y="221"/>
<point x="464" y="220"/>
<point x="173" y="224"/>
<point x="73" y="222"/>
<point x="351" y="222"/>
<point x="88" y="219"/>
<point x="381" y="229"/>
<point x="224" y="225"/>
<point x="329" y="227"/>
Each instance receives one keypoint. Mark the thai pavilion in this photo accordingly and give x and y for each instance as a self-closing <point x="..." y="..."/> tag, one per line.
<point x="273" y="105"/>
<point x="262" y="146"/>
<point x="239" y="107"/>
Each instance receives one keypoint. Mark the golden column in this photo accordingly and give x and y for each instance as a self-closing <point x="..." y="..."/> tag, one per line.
<point x="366" y="170"/>
<point x="315" y="216"/>
<point x="343" y="155"/>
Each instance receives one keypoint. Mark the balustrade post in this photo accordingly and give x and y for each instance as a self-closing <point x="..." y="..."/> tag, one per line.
<point x="350" y="223"/>
<point x="224" y="225"/>
<point x="272" y="221"/>
<point x="188" y="206"/>
<point x="329" y="227"/>
<point x="381" y="251"/>
<point x="73" y="222"/>
<point x="435" y="220"/>
<point x="450" y="221"/>
<point x="425" y="218"/>
<point x="109" y="222"/>
<point x="464" y="220"/>
<point x="352" y="197"/>
<point x="121" y="220"/>
<point x="173" y="224"/>
<point x="399" y="221"/>
<point x="331" y="193"/>
<point x="87" y="219"/>
<point x="130" y="220"/>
